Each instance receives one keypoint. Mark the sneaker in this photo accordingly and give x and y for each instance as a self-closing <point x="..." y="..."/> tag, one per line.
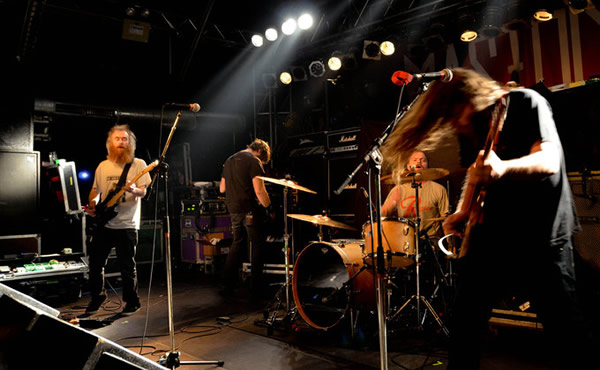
<point x="95" y="304"/>
<point x="130" y="309"/>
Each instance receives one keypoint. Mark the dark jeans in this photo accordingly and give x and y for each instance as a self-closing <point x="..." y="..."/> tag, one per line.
<point x="246" y="227"/>
<point x="490" y="271"/>
<point x="124" y="242"/>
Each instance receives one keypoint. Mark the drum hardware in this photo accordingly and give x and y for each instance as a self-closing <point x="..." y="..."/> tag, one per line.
<point x="424" y="174"/>
<point x="290" y="313"/>
<point x="418" y="297"/>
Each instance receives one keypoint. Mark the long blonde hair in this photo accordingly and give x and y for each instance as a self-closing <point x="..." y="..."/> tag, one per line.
<point x="432" y="116"/>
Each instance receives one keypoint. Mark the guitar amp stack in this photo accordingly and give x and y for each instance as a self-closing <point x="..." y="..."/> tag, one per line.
<point x="205" y="230"/>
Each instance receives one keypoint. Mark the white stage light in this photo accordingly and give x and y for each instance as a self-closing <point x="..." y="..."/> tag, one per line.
<point x="305" y="21"/>
<point x="271" y="34"/>
<point x="257" y="40"/>
<point x="288" y="27"/>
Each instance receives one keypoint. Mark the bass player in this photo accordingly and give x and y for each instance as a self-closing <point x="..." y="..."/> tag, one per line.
<point x="120" y="173"/>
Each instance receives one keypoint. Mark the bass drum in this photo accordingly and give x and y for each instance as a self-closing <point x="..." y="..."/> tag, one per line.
<point x="328" y="280"/>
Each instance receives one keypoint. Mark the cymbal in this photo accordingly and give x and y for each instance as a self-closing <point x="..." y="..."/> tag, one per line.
<point x="288" y="183"/>
<point x="321" y="220"/>
<point x="426" y="174"/>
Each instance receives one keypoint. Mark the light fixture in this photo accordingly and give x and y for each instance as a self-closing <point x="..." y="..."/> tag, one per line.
<point x="257" y="40"/>
<point x="316" y="68"/>
<point x="288" y="27"/>
<point x="334" y="63"/>
<point x="467" y="28"/>
<point x="542" y="10"/>
<point x="271" y="34"/>
<point x="269" y="80"/>
<point x="387" y="48"/>
<point x="298" y="73"/>
<point x="492" y="20"/>
<point x="578" y="5"/>
<point x="130" y="11"/>
<point x="145" y="13"/>
<point x="542" y="14"/>
<point x="517" y="15"/>
<point x="285" y="78"/>
<point x="371" y="50"/>
<point x="305" y="21"/>
<point x="434" y="38"/>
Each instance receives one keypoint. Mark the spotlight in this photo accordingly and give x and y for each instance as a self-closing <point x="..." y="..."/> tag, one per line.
<point x="387" y="48"/>
<point x="542" y="10"/>
<point x="578" y="4"/>
<point x="542" y="14"/>
<point x="285" y="78"/>
<point x="298" y="74"/>
<point x="434" y="39"/>
<point x="492" y="19"/>
<point x="334" y="63"/>
<point x="257" y="40"/>
<point x="145" y="13"/>
<point x="288" y="27"/>
<point x="517" y="15"/>
<point x="316" y="68"/>
<point x="269" y="80"/>
<point x="271" y="34"/>
<point x="371" y="50"/>
<point x="305" y="21"/>
<point x="467" y="27"/>
<point x="130" y="11"/>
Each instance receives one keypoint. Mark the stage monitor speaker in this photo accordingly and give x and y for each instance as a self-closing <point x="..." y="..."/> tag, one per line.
<point x="33" y="337"/>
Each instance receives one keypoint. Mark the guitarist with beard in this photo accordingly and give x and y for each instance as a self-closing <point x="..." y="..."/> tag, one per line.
<point x="520" y="238"/>
<point x="116" y="225"/>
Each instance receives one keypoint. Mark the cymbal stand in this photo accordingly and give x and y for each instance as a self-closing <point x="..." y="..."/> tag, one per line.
<point x="172" y="358"/>
<point x="276" y="304"/>
<point x="418" y="297"/>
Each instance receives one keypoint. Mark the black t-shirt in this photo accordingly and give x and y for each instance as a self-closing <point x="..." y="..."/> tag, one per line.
<point x="539" y="212"/>
<point x="238" y="171"/>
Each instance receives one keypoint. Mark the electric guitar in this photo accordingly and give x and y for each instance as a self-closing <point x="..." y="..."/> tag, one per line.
<point x="473" y="203"/>
<point x="105" y="210"/>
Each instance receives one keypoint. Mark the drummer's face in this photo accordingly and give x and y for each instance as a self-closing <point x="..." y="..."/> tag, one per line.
<point x="418" y="161"/>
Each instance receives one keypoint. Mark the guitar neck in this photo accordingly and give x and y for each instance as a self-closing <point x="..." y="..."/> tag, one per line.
<point x="120" y="193"/>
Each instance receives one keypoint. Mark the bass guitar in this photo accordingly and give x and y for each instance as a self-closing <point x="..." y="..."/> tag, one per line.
<point x="106" y="210"/>
<point x="473" y="203"/>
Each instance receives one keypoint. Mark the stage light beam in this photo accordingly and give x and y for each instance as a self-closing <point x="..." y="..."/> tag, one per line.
<point x="305" y="21"/>
<point x="257" y="40"/>
<point x="288" y="27"/>
<point x="271" y="34"/>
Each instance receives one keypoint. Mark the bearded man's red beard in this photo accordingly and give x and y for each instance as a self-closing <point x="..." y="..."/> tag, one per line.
<point x="120" y="154"/>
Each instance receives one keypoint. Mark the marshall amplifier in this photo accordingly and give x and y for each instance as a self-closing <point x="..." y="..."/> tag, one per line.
<point x="307" y="145"/>
<point x="343" y="142"/>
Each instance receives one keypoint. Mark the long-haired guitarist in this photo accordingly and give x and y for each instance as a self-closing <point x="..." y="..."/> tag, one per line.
<point x="122" y="179"/>
<point x="516" y="205"/>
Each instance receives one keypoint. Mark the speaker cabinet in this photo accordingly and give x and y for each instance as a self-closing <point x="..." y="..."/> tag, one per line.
<point x="586" y="194"/>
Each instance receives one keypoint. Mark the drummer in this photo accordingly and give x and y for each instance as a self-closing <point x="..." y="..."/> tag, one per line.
<point x="433" y="199"/>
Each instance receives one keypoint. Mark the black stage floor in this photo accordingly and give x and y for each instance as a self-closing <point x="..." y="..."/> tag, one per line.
<point x="209" y="327"/>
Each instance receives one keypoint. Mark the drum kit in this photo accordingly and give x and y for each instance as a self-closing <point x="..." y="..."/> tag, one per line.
<point x="331" y="279"/>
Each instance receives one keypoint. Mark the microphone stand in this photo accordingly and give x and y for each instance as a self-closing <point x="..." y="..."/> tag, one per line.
<point x="172" y="357"/>
<point x="374" y="158"/>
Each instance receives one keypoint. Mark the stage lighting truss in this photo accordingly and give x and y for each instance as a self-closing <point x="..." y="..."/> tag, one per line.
<point x="316" y="68"/>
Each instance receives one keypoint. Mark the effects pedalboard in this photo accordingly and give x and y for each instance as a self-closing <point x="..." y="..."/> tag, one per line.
<point x="51" y="268"/>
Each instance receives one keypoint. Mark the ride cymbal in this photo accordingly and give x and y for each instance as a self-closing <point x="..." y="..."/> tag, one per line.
<point x="321" y="220"/>
<point x="288" y="183"/>
<point x="425" y="174"/>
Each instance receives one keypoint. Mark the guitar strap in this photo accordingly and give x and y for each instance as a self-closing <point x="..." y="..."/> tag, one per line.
<point x="123" y="177"/>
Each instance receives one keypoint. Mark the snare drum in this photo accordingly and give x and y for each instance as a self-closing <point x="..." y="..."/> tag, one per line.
<point x="398" y="237"/>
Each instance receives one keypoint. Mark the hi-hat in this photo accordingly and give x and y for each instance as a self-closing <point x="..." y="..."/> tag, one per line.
<point x="321" y="220"/>
<point x="288" y="183"/>
<point x="426" y="174"/>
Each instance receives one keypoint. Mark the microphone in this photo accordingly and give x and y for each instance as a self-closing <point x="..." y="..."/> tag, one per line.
<point x="401" y="78"/>
<point x="194" y="107"/>
<point x="445" y="75"/>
